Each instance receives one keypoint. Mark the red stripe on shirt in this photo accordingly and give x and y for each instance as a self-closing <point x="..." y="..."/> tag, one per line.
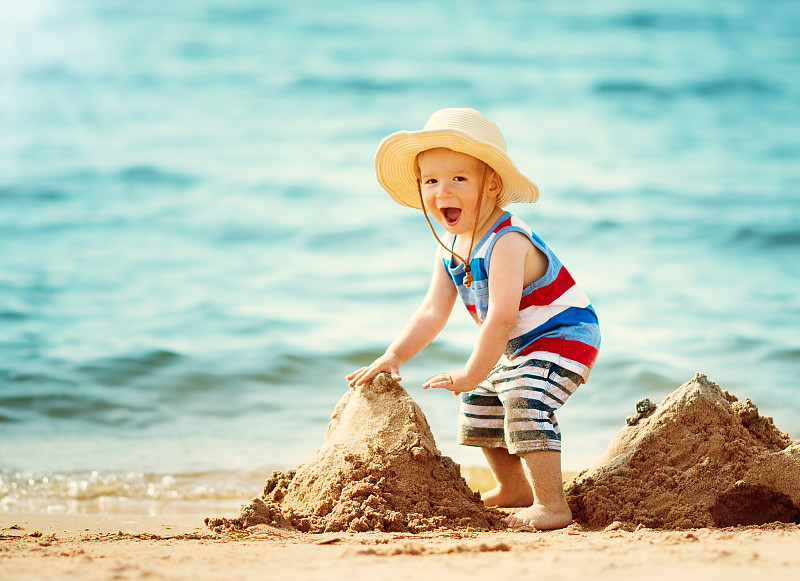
<point x="504" y="224"/>
<point x="572" y="350"/>
<point x="547" y="294"/>
<point x="473" y="310"/>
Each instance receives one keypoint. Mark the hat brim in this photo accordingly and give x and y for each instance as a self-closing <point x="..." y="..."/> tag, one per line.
<point x="396" y="164"/>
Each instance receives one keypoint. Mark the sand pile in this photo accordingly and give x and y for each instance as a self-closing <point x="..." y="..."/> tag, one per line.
<point x="701" y="458"/>
<point x="378" y="469"/>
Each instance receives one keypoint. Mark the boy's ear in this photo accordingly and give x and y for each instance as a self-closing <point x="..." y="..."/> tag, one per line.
<point x="495" y="184"/>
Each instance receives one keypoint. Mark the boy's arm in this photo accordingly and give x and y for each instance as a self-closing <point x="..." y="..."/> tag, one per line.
<point x="422" y="327"/>
<point x="507" y="274"/>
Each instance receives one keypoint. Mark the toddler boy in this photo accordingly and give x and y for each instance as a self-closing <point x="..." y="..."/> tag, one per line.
<point x="539" y="334"/>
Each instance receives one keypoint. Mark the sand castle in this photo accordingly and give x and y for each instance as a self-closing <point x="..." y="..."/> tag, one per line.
<point x="378" y="470"/>
<point x="701" y="458"/>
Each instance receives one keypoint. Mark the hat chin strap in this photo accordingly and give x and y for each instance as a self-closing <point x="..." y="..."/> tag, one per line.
<point x="468" y="271"/>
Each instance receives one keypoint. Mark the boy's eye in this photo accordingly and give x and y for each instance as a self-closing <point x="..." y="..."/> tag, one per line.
<point x="459" y="179"/>
<point x="430" y="181"/>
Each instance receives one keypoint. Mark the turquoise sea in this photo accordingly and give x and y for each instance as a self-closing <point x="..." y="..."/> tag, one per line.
<point x="194" y="250"/>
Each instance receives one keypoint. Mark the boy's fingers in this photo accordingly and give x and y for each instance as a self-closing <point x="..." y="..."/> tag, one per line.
<point x="365" y="374"/>
<point x="355" y="373"/>
<point x="357" y="377"/>
<point x="365" y="377"/>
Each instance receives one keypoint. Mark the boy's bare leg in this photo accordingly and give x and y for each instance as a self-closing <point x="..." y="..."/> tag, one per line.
<point x="549" y="509"/>
<point x="513" y="488"/>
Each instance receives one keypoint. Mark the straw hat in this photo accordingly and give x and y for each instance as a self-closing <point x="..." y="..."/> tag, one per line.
<point x="461" y="130"/>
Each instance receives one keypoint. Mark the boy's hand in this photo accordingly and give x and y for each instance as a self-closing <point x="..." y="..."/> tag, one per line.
<point x="386" y="363"/>
<point x="455" y="381"/>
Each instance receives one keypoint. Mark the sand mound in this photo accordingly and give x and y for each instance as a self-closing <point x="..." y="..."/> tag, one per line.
<point x="701" y="458"/>
<point x="378" y="469"/>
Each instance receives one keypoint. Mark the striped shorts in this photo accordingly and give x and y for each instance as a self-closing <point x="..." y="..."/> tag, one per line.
<point x="514" y="407"/>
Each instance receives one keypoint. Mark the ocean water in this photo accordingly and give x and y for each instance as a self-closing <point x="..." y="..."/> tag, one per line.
<point x="194" y="250"/>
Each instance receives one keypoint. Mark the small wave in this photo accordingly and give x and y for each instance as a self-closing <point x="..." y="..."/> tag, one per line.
<point x="715" y="88"/>
<point x="778" y="238"/>
<point x="156" y="388"/>
<point x="50" y="73"/>
<point x="241" y="15"/>
<point x="198" y="50"/>
<point x="32" y="194"/>
<point x="77" y="405"/>
<point x="87" y="492"/>
<point x="650" y="377"/>
<point x="676" y="22"/>
<point x="121" y="370"/>
<point x="239" y="234"/>
<point x="149" y="175"/>
<point x="286" y="369"/>
<point x="631" y="88"/>
<point x="11" y="316"/>
<point x="336" y="242"/>
<point x="789" y="355"/>
<point x="732" y="87"/>
<point x="360" y="85"/>
<point x="325" y="85"/>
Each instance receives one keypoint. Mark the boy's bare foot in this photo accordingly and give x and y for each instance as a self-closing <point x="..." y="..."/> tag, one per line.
<point x="508" y="499"/>
<point x="541" y="517"/>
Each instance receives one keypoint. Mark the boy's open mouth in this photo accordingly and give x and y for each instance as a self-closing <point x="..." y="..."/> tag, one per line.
<point x="451" y="215"/>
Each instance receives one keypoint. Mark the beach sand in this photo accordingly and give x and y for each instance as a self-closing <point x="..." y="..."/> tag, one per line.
<point x="181" y="547"/>
<point x="691" y="488"/>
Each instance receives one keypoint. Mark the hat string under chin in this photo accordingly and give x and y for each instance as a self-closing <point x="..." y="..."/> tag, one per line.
<point x="468" y="271"/>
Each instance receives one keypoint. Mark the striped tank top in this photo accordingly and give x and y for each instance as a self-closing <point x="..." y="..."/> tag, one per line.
<point x="556" y="320"/>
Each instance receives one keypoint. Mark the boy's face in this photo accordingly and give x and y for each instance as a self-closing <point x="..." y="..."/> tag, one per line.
<point x="451" y="184"/>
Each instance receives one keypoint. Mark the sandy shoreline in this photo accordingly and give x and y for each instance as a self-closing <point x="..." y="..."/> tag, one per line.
<point x="34" y="546"/>
<point x="712" y="457"/>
